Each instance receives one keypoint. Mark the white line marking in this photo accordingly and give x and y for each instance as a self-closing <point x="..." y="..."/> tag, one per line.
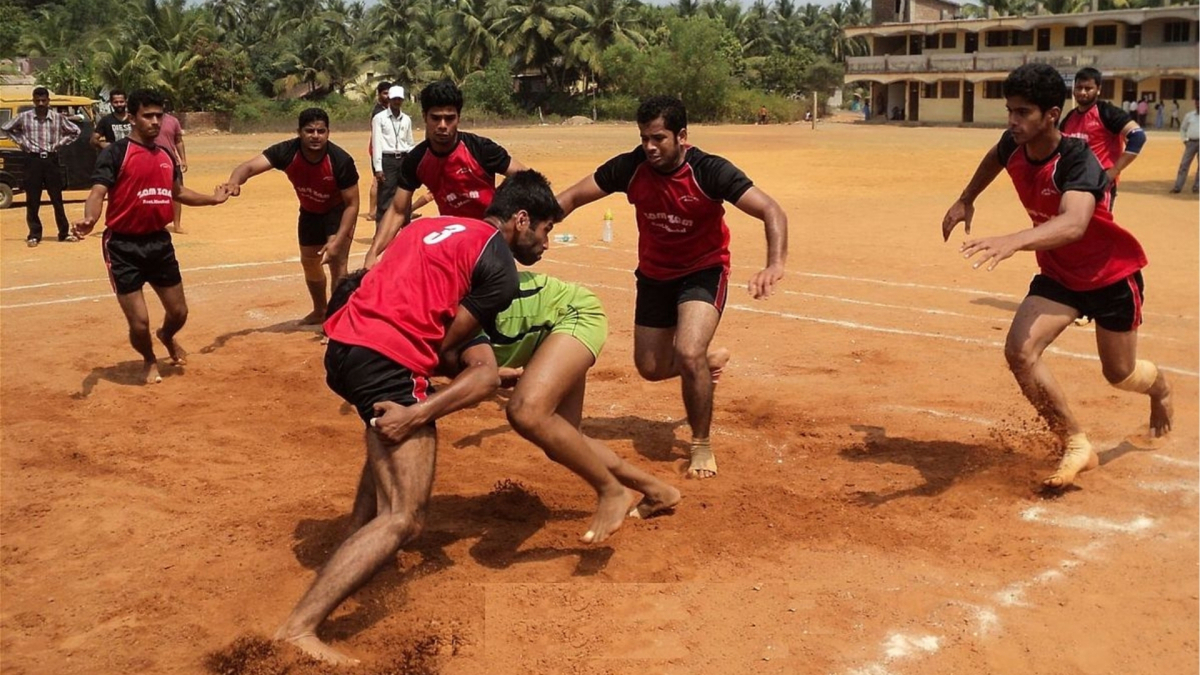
<point x="1176" y="461"/>
<point x="81" y="298"/>
<point x="1168" y="487"/>
<point x="941" y="413"/>
<point x="903" y="646"/>
<point x="1038" y="514"/>
<point x="228" y="266"/>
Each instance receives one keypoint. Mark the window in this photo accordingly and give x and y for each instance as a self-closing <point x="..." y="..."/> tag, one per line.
<point x="997" y="38"/>
<point x="1022" y="38"/>
<point x="1075" y="37"/>
<point x="993" y="90"/>
<point x="929" y="90"/>
<point x="1177" y="31"/>
<point x="1108" y="89"/>
<point x="1104" y="35"/>
<point x="932" y="42"/>
<point x="1133" y="36"/>
<point x="950" y="89"/>
<point x="5" y="116"/>
<point x="1171" y="89"/>
<point x="949" y="40"/>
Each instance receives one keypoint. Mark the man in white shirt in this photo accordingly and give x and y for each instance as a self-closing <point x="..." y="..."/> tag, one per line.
<point x="1190" y="132"/>
<point x="391" y="139"/>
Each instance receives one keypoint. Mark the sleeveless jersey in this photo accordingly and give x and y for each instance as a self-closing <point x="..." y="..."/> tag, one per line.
<point x="140" y="181"/>
<point x="463" y="182"/>
<point x="408" y="300"/>
<point x="318" y="184"/>
<point x="680" y="216"/>
<point x="1107" y="253"/>
<point x="1100" y="127"/>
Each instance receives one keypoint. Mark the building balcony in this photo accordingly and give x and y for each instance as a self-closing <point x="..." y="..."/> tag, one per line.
<point x="1149" y="60"/>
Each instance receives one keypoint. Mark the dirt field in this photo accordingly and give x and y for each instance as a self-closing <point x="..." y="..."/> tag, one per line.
<point x="875" y="512"/>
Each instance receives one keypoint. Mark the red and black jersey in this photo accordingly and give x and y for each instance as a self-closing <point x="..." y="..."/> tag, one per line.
<point x="318" y="184"/>
<point x="680" y="216"/>
<point x="408" y="300"/>
<point x="141" y="183"/>
<point x="1100" y="127"/>
<point x="463" y="181"/>
<point x="1106" y="253"/>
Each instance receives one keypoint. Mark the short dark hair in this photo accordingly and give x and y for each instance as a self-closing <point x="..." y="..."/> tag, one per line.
<point x="1038" y="83"/>
<point x="669" y="108"/>
<point x="527" y="191"/>
<point x="116" y="92"/>
<point x="382" y="87"/>
<point x="342" y="292"/>
<point x="41" y="91"/>
<point x="144" y="97"/>
<point x="1090" y="74"/>
<point x="439" y="94"/>
<point x="310" y="115"/>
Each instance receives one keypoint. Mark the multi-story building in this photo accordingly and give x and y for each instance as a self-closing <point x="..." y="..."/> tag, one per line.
<point x="930" y="66"/>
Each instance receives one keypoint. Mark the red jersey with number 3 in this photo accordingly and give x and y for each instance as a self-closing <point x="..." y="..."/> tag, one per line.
<point x="680" y="215"/>
<point x="140" y="181"/>
<point x="408" y="300"/>
<point x="1107" y="253"/>
<point x="463" y="181"/>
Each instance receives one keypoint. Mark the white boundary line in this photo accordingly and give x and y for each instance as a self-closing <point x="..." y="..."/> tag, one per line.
<point x="228" y="266"/>
<point x="82" y="298"/>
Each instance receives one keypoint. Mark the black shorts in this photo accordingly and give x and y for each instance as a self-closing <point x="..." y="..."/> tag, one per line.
<point x="134" y="260"/>
<point x="365" y="377"/>
<point x="315" y="229"/>
<point x="658" y="301"/>
<point x="1117" y="307"/>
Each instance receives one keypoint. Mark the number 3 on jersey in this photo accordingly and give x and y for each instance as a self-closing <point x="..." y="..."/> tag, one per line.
<point x="446" y="232"/>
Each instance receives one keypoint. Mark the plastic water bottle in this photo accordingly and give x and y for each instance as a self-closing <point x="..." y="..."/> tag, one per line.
<point x="564" y="238"/>
<point x="606" y="233"/>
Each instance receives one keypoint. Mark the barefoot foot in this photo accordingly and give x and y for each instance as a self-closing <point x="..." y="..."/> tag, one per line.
<point x="661" y="501"/>
<point x="717" y="360"/>
<point x="150" y="372"/>
<point x="610" y="512"/>
<point x="1162" y="413"/>
<point x="177" y="353"/>
<point x="704" y="463"/>
<point x="310" y="645"/>
<point x="313" y="318"/>
<point x="1079" y="457"/>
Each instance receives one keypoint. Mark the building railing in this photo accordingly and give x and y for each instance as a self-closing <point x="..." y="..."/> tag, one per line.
<point x="1181" y="56"/>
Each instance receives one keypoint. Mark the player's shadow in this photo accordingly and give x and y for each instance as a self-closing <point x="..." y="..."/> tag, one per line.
<point x="1005" y="305"/>
<point x="653" y="439"/>
<point x="283" y="327"/>
<point x="940" y="463"/>
<point x="126" y="373"/>
<point x="499" y="522"/>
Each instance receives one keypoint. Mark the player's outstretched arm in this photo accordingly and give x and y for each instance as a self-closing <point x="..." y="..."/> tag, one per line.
<point x="189" y="197"/>
<point x="963" y="210"/>
<point x="93" y="207"/>
<point x="585" y="191"/>
<point x="759" y="204"/>
<point x="1074" y="214"/>
<point x="244" y="172"/>
<point x="395" y="217"/>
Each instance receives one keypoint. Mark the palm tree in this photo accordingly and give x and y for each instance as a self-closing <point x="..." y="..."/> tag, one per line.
<point x="465" y="26"/>
<point x="602" y="24"/>
<point x="527" y="32"/>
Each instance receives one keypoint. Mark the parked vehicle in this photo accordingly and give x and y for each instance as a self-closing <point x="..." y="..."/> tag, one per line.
<point x="76" y="161"/>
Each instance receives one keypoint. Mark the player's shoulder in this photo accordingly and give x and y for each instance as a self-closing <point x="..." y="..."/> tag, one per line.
<point x="1074" y="149"/>
<point x="337" y="153"/>
<point x="697" y="157"/>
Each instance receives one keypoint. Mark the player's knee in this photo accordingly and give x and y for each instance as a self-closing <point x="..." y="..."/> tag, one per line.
<point x="1020" y="356"/>
<point x="1115" y="373"/>
<point x="692" y="359"/>
<point x="404" y="526"/>
<point x="525" y="415"/>
<point x="177" y="316"/>
<point x="651" y="369"/>
<point x="138" y="325"/>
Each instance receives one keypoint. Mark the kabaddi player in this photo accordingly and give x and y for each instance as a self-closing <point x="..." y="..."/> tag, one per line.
<point x="447" y="279"/>
<point x="1104" y="127"/>
<point x="141" y="180"/>
<point x="678" y="193"/>
<point x="1090" y="266"/>
<point x="326" y="183"/>
<point x="459" y="168"/>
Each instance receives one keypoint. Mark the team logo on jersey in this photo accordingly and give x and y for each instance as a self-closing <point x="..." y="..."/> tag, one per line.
<point x="164" y="165"/>
<point x="688" y="199"/>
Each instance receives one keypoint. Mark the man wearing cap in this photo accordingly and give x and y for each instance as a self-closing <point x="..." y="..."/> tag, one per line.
<point x="391" y="139"/>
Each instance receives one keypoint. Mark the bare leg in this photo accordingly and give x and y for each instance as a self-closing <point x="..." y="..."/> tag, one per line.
<point x="662" y="353"/>
<point x="365" y="506"/>
<point x="178" y="224"/>
<point x="1038" y="322"/>
<point x="1118" y="355"/>
<point x="403" y="476"/>
<point x="314" y="278"/>
<point x="175" y="306"/>
<point x="138" y="317"/>
<point x="557" y="372"/>
<point x="370" y="214"/>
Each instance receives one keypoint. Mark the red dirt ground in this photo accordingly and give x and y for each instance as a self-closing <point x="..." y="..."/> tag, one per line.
<point x="875" y="512"/>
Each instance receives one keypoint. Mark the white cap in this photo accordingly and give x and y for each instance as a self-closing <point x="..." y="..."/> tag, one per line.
<point x="396" y="92"/>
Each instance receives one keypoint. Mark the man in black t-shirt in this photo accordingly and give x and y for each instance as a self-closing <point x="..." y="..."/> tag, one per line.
<point x="115" y="126"/>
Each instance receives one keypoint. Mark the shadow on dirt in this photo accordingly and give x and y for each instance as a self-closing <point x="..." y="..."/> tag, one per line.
<point x="284" y="327"/>
<point x="652" y="439"/>
<point x="126" y="374"/>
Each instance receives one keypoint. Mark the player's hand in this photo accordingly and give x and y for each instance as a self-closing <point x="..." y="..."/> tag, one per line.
<point x="1112" y="173"/>
<point x="233" y="189"/>
<point x="370" y="260"/>
<point x="509" y="376"/>
<point x="183" y="167"/>
<point x="331" y="251"/>
<point x="763" y="283"/>
<point x="395" y="422"/>
<point x="379" y="177"/>
<point x="83" y="227"/>
<point x="991" y="251"/>
<point x="960" y="212"/>
<point x="221" y="194"/>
